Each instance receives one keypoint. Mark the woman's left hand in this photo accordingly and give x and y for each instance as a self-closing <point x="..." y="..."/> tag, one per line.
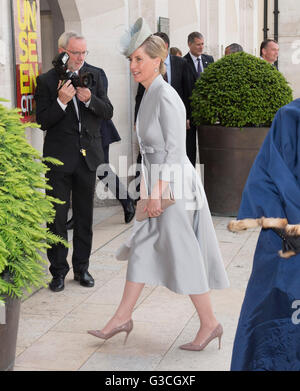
<point x="154" y="207"/>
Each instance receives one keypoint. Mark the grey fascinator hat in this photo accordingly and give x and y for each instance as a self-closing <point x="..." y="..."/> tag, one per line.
<point x="135" y="37"/>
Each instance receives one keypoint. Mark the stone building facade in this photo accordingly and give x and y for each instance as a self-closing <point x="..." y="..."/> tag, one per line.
<point x="103" y="22"/>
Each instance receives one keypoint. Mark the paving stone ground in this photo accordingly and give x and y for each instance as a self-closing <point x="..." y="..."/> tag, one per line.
<point x="52" y="331"/>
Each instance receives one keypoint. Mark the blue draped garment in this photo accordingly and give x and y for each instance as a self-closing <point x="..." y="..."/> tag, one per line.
<point x="268" y="332"/>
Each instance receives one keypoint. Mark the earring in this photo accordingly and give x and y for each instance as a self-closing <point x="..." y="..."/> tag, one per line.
<point x="155" y="70"/>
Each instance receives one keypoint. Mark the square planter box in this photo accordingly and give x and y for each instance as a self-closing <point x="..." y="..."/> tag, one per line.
<point x="8" y="334"/>
<point x="227" y="155"/>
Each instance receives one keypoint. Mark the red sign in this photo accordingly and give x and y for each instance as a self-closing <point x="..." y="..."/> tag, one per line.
<point x="28" y="53"/>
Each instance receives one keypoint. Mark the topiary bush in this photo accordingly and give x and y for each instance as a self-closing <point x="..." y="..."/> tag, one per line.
<point x="239" y="90"/>
<point x="24" y="209"/>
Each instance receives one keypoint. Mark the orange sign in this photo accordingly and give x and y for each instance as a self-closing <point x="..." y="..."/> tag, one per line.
<point x="28" y="53"/>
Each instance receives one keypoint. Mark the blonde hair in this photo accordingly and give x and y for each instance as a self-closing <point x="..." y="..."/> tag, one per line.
<point x="155" y="47"/>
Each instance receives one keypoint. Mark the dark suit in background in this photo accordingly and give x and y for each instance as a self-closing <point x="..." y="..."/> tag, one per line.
<point x="193" y="76"/>
<point x="81" y="152"/>
<point x="108" y="130"/>
<point x="110" y="135"/>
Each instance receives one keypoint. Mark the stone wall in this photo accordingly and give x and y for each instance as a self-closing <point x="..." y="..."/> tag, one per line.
<point x="103" y="22"/>
<point x="289" y="41"/>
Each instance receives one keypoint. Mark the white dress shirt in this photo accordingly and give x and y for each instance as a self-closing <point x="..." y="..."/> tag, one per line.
<point x="195" y="59"/>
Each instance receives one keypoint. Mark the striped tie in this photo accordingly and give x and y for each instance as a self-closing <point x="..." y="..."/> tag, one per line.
<point x="199" y="67"/>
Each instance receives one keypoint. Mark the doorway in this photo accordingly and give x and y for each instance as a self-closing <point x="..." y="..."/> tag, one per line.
<point x="52" y="26"/>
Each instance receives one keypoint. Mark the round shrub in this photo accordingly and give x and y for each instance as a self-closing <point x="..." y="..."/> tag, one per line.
<point x="239" y="90"/>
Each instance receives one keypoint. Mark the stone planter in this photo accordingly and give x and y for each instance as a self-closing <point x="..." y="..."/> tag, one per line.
<point x="8" y="334"/>
<point x="227" y="155"/>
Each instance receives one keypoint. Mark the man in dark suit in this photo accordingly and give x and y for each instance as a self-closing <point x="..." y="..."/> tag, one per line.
<point x="177" y="75"/>
<point x="110" y="135"/>
<point x="72" y="118"/>
<point x="197" y="63"/>
<point x="269" y="51"/>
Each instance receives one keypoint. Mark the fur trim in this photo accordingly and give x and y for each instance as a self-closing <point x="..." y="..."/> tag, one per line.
<point x="287" y="254"/>
<point x="241" y="225"/>
<point x="271" y="222"/>
<point x="267" y="222"/>
<point x="264" y="222"/>
<point x="293" y="230"/>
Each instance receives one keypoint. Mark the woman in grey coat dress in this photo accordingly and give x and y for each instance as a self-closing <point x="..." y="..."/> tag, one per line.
<point x="177" y="247"/>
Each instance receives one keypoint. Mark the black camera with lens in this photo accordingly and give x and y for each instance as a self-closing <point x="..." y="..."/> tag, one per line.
<point x="60" y="63"/>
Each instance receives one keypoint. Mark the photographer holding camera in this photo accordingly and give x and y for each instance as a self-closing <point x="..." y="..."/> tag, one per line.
<point x="70" y="104"/>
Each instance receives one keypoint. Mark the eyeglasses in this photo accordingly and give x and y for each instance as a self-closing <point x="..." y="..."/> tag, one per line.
<point x="77" y="54"/>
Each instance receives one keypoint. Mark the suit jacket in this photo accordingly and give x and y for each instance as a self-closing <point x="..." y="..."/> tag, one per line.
<point x="206" y="60"/>
<point x="108" y="130"/>
<point x="63" y="140"/>
<point x="179" y="80"/>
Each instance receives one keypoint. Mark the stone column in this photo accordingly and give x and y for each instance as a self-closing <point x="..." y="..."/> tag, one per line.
<point x="289" y="43"/>
<point x="71" y="14"/>
<point x="183" y="23"/>
<point x="249" y="22"/>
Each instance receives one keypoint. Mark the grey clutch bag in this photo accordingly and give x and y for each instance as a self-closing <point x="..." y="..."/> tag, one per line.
<point x="166" y="201"/>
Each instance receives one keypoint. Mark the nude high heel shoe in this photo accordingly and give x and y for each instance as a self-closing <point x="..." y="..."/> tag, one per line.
<point x="126" y="327"/>
<point x="216" y="333"/>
